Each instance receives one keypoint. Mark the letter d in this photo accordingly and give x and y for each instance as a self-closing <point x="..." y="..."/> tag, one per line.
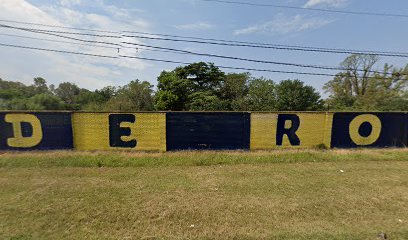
<point x="19" y="141"/>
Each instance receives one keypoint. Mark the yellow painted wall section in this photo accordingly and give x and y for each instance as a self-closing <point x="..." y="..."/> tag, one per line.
<point x="91" y="131"/>
<point x="314" y="129"/>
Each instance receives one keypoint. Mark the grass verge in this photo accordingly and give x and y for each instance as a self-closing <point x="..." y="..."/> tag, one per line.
<point x="192" y="158"/>
<point x="301" y="194"/>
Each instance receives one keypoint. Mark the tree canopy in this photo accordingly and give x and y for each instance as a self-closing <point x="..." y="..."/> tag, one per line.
<point x="362" y="87"/>
<point x="204" y="87"/>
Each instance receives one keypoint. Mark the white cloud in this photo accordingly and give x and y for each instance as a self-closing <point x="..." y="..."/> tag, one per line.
<point x="68" y="3"/>
<point x="195" y="26"/>
<point x="284" y="25"/>
<point x="327" y="3"/>
<point x="89" y="72"/>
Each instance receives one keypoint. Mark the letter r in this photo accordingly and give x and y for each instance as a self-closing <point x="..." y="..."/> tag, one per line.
<point x="289" y="131"/>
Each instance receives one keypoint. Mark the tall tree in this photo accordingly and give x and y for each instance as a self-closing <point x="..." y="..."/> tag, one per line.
<point x="361" y="87"/>
<point x="176" y="88"/>
<point x="40" y="85"/>
<point x="293" y="95"/>
<point x="261" y="96"/>
<point x="234" y="90"/>
<point x="172" y="93"/>
<point x="68" y="92"/>
<point x="135" y="96"/>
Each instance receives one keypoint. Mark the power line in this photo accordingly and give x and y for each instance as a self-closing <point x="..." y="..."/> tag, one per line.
<point x="173" y="50"/>
<point x="377" y="14"/>
<point x="212" y="41"/>
<point x="62" y="27"/>
<point x="63" y="32"/>
<point x="249" y="60"/>
<point x="277" y="47"/>
<point x="177" y="50"/>
<point x="160" y="60"/>
<point x="184" y="51"/>
<point x="54" y="33"/>
<point x="236" y="68"/>
<point x="170" y="61"/>
<point x="54" y="40"/>
<point x="117" y="46"/>
<point x="84" y="44"/>
<point x="58" y="51"/>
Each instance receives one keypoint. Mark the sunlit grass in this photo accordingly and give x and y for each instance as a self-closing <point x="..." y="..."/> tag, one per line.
<point x="285" y="194"/>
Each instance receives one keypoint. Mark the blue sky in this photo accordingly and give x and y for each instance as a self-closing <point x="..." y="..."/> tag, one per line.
<point x="199" y="19"/>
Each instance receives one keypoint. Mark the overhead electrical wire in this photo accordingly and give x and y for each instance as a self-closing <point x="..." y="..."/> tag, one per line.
<point x="238" y="58"/>
<point x="158" y="60"/>
<point x="173" y="50"/>
<point x="215" y="41"/>
<point x="83" y="44"/>
<point x="62" y="27"/>
<point x="59" y="51"/>
<point x="377" y="14"/>
<point x="167" y="61"/>
<point x="54" y="40"/>
<point x="276" y="47"/>
<point x="236" y="68"/>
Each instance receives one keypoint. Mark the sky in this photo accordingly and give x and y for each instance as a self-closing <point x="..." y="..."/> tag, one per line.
<point x="194" y="18"/>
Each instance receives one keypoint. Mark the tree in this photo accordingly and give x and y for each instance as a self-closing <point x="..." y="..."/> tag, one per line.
<point x="9" y="90"/>
<point x="261" y="96"/>
<point x="176" y="88"/>
<point x="293" y="95"/>
<point x="360" y="87"/>
<point x="40" y="86"/>
<point x="135" y="96"/>
<point x="172" y="93"/>
<point x="204" y="101"/>
<point x="202" y="76"/>
<point x="67" y="92"/>
<point x="234" y="90"/>
<point x="44" y="101"/>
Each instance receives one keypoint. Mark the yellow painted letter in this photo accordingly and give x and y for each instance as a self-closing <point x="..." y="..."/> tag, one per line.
<point x="19" y="141"/>
<point x="366" y="137"/>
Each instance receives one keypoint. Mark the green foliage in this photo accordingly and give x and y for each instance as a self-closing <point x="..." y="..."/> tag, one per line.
<point x="189" y="86"/>
<point x="9" y="90"/>
<point x="361" y="87"/>
<point x="234" y="90"/>
<point x="40" y="86"/>
<point x="68" y="93"/>
<point x="261" y="96"/>
<point x="135" y="96"/>
<point x="293" y="95"/>
<point x="172" y="92"/>
<point x="204" y="87"/>
<point x="44" y="101"/>
<point x="204" y="101"/>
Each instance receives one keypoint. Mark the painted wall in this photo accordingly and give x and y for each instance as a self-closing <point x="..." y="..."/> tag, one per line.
<point x="35" y="131"/>
<point x="200" y="130"/>
<point x="124" y="131"/>
<point x="187" y="130"/>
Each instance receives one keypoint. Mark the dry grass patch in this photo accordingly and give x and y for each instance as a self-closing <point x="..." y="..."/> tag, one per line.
<point x="205" y="195"/>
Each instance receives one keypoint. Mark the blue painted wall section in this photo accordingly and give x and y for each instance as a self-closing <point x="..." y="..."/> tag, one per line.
<point x="35" y="131"/>
<point x="351" y="130"/>
<point x="212" y="131"/>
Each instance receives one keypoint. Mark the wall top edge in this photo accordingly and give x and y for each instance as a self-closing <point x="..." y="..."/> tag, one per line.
<point x="260" y="112"/>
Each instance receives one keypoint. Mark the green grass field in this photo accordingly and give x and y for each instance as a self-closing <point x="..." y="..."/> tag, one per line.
<point x="292" y="194"/>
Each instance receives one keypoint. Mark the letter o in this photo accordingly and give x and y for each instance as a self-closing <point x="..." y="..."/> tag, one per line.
<point x="357" y="123"/>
